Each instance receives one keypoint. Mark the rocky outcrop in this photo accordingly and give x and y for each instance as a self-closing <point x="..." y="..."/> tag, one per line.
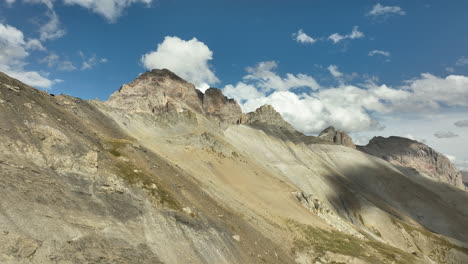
<point x="266" y="115"/>
<point x="217" y="105"/>
<point x="157" y="91"/>
<point x="162" y="91"/>
<point x="410" y="153"/>
<point x="337" y="137"/>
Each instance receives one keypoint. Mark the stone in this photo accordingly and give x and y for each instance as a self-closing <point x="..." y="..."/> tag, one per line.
<point x="413" y="154"/>
<point x="218" y="105"/>
<point x="337" y="137"/>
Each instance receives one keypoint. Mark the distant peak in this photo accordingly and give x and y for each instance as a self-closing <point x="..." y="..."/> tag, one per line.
<point x="336" y="136"/>
<point x="330" y="129"/>
<point x="267" y="114"/>
<point x="161" y="73"/>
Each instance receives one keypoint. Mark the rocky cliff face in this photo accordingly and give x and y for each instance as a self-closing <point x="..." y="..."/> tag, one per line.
<point x="337" y="137"/>
<point x="218" y="105"/>
<point x="112" y="182"/>
<point x="162" y="91"/>
<point x="410" y="153"/>
<point x="155" y="92"/>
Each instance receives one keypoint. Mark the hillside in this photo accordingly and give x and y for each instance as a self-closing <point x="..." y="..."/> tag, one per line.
<point x="162" y="173"/>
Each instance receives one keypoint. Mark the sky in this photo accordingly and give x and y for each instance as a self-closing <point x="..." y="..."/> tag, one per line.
<point x="370" y="68"/>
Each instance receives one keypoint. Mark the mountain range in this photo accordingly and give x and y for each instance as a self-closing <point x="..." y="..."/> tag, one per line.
<point x="163" y="173"/>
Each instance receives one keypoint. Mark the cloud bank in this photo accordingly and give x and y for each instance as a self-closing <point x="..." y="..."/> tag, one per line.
<point x="352" y="108"/>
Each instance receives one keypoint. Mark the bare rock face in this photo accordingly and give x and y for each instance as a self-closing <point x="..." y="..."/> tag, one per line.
<point x="217" y="105"/>
<point x="410" y="153"/>
<point x="338" y="137"/>
<point x="157" y="91"/>
<point x="162" y="91"/>
<point x="266" y="114"/>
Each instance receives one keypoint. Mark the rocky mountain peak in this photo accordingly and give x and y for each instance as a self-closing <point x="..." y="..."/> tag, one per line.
<point x="411" y="153"/>
<point x="159" y="91"/>
<point x="218" y="105"/>
<point x="338" y="137"/>
<point x="266" y="114"/>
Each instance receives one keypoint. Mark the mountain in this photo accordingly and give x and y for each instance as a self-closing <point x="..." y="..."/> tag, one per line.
<point x="465" y="177"/>
<point x="409" y="153"/>
<point x="162" y="173"/>
<point x="338" y="137"/>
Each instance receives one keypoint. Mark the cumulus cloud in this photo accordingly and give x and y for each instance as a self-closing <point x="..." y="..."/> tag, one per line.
<point x="303" y="38"/>
<point x="461" y="123"/>
<point x="445" y="134"/>
<point x="263" y="75"/>
<point x="333" y="69"/>
<point x="187" y="58"/>
<point x="379" y="52"/>
<point x="381" y="10"/>
<point x="346" y="107"/>
<point x="352" y="108"/>
<point x="355" y="34"/>
<point x="110" y="9"/>
<point x="432" y="92"/>
<point x="13" y="52"/>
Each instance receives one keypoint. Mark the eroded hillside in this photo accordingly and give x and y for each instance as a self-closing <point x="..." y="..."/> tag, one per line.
<point x="162" y="173"/>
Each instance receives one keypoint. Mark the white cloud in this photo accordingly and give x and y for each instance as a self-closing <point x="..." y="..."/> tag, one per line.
<point x="303" y="38"/>
<point x="188" y="59"/>
<point x="110" y="9"/>
<point x="450" y="69"/>
<point x="33" y="78"/>
<point x="333" y="69"/>
<point x="14" y="51"/>
<point x="242" y="92"/>
<point x="335" y="37"/>
<point x="380" y="10"/>
<point x="34" y="44"/>
<point x="379" y="52"/>
<point x="264" y="77"/>
<point x="462" y="61"/>
<point x="54" y="61"/>
<point x="89" y="62"/>
<point x="355" y="34"/>
<point x="445" y="134"/>
<point x="461" y="123"/>
<point x="432" y="92"/>
<point x="52" y="29"/>
<point x="352" y="108"/>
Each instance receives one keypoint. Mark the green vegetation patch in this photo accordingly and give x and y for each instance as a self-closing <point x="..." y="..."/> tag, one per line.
<point x="135" y="176"/>
<point x="322" y="241"/>
<point x="413" y="231"/>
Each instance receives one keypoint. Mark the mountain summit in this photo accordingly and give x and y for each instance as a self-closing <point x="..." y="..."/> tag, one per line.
<point x="406" y="152"/>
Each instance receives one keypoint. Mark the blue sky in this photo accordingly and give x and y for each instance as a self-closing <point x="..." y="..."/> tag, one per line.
<point x="369" y="82"/>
